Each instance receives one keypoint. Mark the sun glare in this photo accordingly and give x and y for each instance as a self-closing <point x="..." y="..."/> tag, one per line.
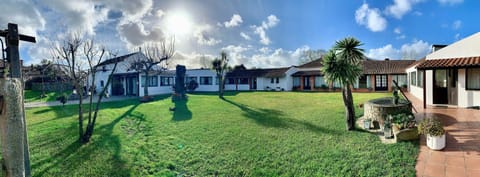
<point x="179" y="23"/>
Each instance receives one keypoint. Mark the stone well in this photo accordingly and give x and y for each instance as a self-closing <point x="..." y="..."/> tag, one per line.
<point x="379" y="109"/>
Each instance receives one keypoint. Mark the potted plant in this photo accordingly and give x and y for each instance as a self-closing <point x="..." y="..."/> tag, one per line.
<point x="387" y="128"/>
<point x="366" y="123"/>
<point x="432" y="128"/>
<point x="404" y="126"/>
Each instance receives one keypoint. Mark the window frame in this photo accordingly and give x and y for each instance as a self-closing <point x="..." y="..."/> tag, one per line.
<point x="150" y="82"/>
<point x="209" y="80"/>
<point x="467" y="85"/>
<point x="413" y="75"/>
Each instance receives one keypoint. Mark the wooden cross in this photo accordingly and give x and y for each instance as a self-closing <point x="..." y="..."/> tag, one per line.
<point x="12" y="39"/>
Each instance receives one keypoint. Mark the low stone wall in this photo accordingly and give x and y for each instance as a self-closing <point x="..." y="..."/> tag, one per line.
<point x="378" y="109"/>
<point x="51" y="86"/>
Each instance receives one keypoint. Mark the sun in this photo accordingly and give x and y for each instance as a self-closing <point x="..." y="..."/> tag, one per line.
<point x="178" y="23"/>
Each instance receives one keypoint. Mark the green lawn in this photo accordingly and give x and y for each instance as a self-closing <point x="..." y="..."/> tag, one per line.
<point x="248" y="134"/>
<point x="34" y="96"/>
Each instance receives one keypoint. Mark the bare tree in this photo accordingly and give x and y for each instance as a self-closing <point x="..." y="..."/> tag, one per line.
<point x="155" y="55"/>
<point x="205" y="62"/>
<point x="311" y="55"/>
<point x="79" y="67"/>
<point x="220" y="65"/>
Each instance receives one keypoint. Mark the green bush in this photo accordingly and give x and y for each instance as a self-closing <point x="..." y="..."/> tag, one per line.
<point x="431" y="126"/>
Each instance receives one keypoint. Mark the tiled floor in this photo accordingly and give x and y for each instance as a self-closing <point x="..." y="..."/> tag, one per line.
<point x="461" y="156"/>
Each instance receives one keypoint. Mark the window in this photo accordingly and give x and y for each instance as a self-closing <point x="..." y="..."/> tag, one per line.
<point x="272" y="80"/>
<point x="296" y="81"/>
<point x="362" y="81"/>
<point x="420" y="79"/>
<point x="190" y="79"/>
<point x="166" y="81"/>
<point x="243" y="81"/>
<point x="413" y="78"/>
<point x="102" y="84"/>
<point x="230" y="80"/>
<point x="217" y="80"/>
<point x="401" y="80"/>
<point x="278" y="80"/>
<point x="206" y="80"/>
<point x="473" y="78"/>
<point x="152" y="81"/>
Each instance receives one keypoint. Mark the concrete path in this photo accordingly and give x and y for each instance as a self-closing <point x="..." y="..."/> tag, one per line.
<point x="461" y="156"/>
<point x="70" y="102"/>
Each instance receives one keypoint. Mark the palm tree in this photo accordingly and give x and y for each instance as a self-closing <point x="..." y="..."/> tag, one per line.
<point x="220" y="65"/>
<point x="342" y="64"/>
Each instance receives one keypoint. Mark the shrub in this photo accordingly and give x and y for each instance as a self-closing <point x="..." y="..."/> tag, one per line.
<point x="404" y="120"/>
<point x="431" y="126"/>
<point x="192" y="85"/>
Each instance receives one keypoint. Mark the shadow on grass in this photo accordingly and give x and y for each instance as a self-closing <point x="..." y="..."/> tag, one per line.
<point x="278" y="119"/>
<point x="181" y="112"/>
<point x="227" y="93"/>
<point x="73" y="157"/>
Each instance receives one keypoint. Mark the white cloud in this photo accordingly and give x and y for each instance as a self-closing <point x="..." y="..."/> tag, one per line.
<point x="235" y="21"/>
<point x="457" y="36"/>
<point x="414" y="50"/>
<point x="135" y="34"/>
<point x="397" y="30"/>
<point x="190" y="60"/>
<point x="457" y="24"/>
<point x="403" y="36"/>
<point x="131" y="10"/>
<point x="78" y="16"/>
<point x="202" y="33"/>
<point x="272" y="21"/>
<point x="400" y="7"/>
<point x="450" y="2"/>
<point x="23" y="13"/>
<point x="371" y="18"/>
<point x="245" y="36"/>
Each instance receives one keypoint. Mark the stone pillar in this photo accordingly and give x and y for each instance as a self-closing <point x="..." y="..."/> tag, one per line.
<point x="13" y="129"/>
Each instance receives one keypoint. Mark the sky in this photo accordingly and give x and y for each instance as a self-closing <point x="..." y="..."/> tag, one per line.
<point x="256" y="33"/>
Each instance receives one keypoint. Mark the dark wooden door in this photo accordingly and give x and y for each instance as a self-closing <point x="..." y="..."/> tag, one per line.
<point x="381" y="83"/>
<point x="440" y="86"/>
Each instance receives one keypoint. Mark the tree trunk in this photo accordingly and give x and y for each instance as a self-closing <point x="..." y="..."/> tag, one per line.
<point x="145" y="85"/>
<point x="13" y="129"/>
<point x="349" y="109"/>
<point x="80" y="112"/>
<point x="220" y="87"/>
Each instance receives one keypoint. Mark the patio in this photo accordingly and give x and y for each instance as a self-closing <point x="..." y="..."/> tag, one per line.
<point x="461" y="156"/>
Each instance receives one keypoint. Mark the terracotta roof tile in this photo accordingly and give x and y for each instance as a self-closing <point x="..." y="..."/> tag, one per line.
<point x="313" y="64"/>
<point x="461" y="62"/>
<point x="386" y="66"/>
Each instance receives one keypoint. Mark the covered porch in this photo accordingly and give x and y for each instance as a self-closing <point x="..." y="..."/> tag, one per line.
<point x="461" y="156"/>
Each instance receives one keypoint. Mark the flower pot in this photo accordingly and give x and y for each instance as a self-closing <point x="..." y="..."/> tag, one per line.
<point x="436" y="142"/>
<point x="387" y="132"/>
<point x="366" y="124"/>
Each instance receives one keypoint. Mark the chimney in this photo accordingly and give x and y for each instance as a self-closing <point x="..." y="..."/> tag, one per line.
<point x="437" y="47"/>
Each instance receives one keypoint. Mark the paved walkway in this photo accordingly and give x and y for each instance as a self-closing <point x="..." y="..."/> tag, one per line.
<point x="57" y="103"/>
<point x="461" y="156"/>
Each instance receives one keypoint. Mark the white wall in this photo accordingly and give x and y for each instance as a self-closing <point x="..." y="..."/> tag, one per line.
<point x="203" y="73"/>
<point x="414" y="90"/>
<point x="466" y="98"/>
<point x="289" y="78"/>
<point x="466" y="47"/>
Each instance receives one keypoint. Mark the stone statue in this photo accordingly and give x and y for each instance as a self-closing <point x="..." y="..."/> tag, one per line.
<point x="179" y="83"/>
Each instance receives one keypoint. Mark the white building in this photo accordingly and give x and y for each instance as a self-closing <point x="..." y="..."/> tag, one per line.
<point x="450" y="75"/>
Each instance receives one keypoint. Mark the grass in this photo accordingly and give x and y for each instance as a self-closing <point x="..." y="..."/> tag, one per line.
<point x="247" y="134"/>
<point x="35" y="96"/>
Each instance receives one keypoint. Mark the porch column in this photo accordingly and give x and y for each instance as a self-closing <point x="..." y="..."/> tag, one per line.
<point x="424" y="89"/>
<point x="372" y="79"/>
<point x="302" y="79"/>
<point x="312" y="82"/>
<point x="389" y="82"/>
